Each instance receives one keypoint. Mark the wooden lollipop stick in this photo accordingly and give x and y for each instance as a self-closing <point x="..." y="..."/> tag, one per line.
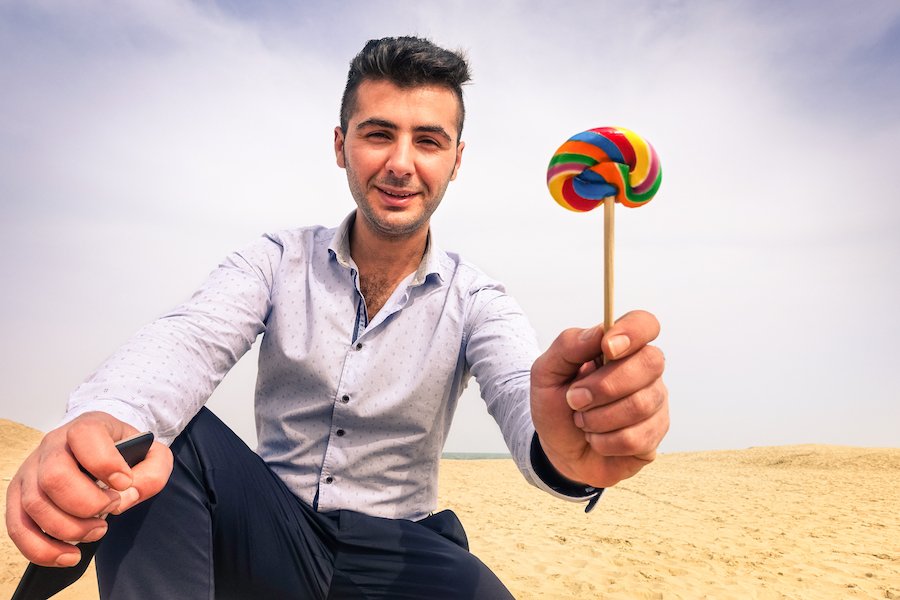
<point x="609" y="238"/>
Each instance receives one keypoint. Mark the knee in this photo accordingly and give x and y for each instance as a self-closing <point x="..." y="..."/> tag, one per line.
<point x="473" y="578"/>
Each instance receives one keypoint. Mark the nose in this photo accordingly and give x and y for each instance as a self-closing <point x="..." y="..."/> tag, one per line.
<point x="401" y="160"/>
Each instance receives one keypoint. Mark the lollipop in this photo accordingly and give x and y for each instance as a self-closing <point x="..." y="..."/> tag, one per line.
<point x="600" y="163"/>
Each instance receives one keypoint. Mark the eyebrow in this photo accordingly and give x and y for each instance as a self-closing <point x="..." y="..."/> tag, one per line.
<point x="376" y="122"/>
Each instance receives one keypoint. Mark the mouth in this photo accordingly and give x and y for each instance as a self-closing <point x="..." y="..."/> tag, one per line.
<point x="396" y="196"/>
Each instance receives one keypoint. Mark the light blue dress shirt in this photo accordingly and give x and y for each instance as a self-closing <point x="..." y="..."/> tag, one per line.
<point x="350" y="413"/>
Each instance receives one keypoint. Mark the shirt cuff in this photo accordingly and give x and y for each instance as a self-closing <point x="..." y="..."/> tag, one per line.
<point x="560" y="484"/>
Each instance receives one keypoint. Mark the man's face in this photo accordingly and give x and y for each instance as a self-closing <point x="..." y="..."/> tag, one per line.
<point x="400" y="152"/>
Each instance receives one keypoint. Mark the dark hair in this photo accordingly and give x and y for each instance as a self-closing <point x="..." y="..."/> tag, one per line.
<point x="405" y="62"/>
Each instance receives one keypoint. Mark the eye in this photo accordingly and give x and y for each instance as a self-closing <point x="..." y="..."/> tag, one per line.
<point x="377" y="135"/>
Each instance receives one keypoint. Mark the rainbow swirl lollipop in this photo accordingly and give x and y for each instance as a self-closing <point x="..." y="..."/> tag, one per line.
<point x="600" y="163"/>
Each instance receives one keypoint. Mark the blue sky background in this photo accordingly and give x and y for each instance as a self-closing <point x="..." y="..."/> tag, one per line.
<point x="140" y="142"/>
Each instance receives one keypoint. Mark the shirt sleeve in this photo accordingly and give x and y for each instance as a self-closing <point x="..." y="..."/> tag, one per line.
<point x="163" y="375"/>
<point x="501" y="346"/>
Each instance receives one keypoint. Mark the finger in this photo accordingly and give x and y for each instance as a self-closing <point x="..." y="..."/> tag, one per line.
<point x="589" y="367"/>
<point x="618" y="468"/>
<point x="617" y="380"/>
<point x="62" y="485"/>
<point x="150" y="476"/>
<point x="92" y="442"/>
<point x="28" y="537"/>
<point x="626" y="412"/>
<point x="566" y="356"/>
<point x="639" y="440"/>
<point x="629" y="334"/>
<point x="58" y="524"/>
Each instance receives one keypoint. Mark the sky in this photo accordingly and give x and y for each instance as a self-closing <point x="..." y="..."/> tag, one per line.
<point x="141" y="142"/>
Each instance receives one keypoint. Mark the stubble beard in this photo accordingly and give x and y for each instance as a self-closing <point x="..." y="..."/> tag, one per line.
<point x="402" y="227"/>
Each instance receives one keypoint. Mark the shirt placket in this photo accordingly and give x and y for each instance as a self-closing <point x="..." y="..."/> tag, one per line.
<point x="341" y="416"/>
<point x="343" y="422"/>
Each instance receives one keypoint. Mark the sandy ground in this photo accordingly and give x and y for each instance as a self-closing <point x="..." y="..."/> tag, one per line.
<point x="785" y="522"/>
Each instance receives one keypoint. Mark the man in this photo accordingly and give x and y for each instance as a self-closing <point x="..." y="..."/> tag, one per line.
<point x="370" y="334"/>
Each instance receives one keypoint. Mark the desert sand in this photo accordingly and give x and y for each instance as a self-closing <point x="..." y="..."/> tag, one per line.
<point x="784" y="522"/>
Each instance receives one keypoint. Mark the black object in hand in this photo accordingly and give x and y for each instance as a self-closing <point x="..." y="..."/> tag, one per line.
<point x="40" y="583"/>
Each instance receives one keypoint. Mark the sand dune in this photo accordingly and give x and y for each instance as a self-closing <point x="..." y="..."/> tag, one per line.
<point x="785" y="522"/>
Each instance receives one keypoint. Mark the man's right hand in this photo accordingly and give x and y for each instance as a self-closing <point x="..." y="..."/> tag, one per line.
<point x="50" y="499"/>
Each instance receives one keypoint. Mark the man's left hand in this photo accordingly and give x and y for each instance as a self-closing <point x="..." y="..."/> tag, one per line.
<point x="599" y="424"/>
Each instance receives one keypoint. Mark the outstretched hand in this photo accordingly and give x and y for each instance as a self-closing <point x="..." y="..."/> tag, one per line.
<point x="599" y="424"/>
<point x="50" y="499"/>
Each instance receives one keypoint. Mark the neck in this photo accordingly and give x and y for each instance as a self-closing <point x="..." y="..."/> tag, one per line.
<point x="396" y="255"/>
<point x="383" y="262"/>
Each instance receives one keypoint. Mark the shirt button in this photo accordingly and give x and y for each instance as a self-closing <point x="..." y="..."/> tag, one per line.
<point x="359" y="346"/>
<point x="329" y="479"/>
<point x="345" y="398"/>
<point x="340" y="433"/>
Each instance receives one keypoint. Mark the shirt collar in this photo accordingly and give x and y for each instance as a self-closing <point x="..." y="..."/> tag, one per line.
<point x="431" y="264"/>
<point x="339" y="248"/>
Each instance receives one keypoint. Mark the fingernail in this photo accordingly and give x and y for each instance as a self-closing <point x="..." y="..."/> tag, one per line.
<point x="579" y="420"/>
<point x="618" y="344"/>
<point x="589" y="333"/>
<point x="119" y="481"/>
<point x="128" y="498"/>
<point x="578" y="398"/>
<point x="68" y="560"/>
<point x="95" y="534"/>
<point x="113" y="503"/>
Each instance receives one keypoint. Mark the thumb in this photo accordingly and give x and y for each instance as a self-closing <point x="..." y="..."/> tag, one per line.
<point x="150" y="477"/>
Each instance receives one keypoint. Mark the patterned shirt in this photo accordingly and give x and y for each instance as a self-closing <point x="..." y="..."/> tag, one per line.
<point x="351" y="413"/>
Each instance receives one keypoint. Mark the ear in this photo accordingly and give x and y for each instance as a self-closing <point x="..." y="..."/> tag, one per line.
<point x="339" y="147"/>
<point x="459" y="151"/>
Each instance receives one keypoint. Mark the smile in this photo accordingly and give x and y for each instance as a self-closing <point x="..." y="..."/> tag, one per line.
<point x="397" y="198"/>
<point x="398" y="195"/>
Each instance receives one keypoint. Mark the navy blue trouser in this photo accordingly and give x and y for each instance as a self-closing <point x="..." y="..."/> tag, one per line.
<point x="225" y="526"/>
